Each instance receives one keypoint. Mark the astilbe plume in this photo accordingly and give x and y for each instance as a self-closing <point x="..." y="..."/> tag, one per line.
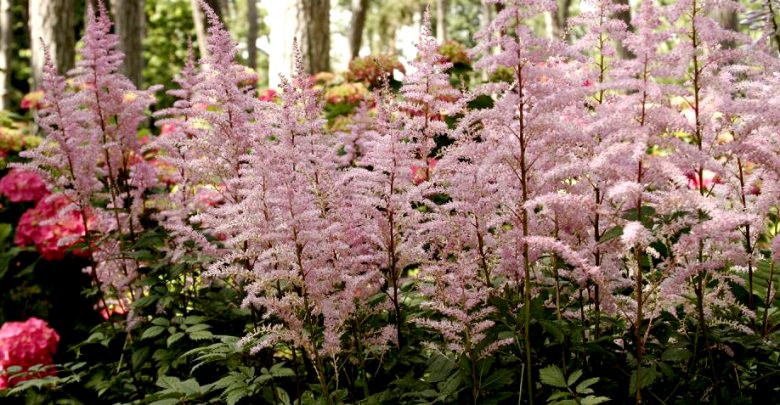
<point x="92" y="153"/>
<point x="385" y="195"/>
<point x="26" y="344"/>
<point x="720" y="212"/>
<point x="427" y="98"/>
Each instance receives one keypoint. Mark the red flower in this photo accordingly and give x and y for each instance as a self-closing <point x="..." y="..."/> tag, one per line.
<point x="422" y="173"/>
<point x="710" y="179"/>
<point x="32" y="100"/>
<point x="22" y="186"/>
<point x="268" y="95"/>
<point x="44" y="226"/>
<point x="167" y="129"/>
<point x="26" y="344"/>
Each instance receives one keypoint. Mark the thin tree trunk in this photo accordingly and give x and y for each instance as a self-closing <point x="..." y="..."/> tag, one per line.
<point x="359" y="12"/>
<point x="729" y="20"/>
<point x="6" y="37"/>
<point x="624" y="16"/>
<point x="53" y="22"/>
<point x="201" y="23"/>
<point x="560" y="20"/>
<point x="251" y="35"/>
<point x="441" y="20"/>
<point x="131" y="28"/>
<point x="314" y="33"/>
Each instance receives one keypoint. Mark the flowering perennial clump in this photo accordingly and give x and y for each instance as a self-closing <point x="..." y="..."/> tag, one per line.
<point x="619" y="196"/>
<point x="26" y="344"/>
<point x="22" y="186"/>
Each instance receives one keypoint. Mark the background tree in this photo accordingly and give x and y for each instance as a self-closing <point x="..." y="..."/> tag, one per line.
<point x="53" y="22"/>
<point x="251" y="34"/>
<point x="356" y="26"/>
<point x="131" y="30"/>
<point x="442" y="7"/>
<point x="5" y="53"/>
<point x="201" y="25"/>
<point x="313" y="31"/>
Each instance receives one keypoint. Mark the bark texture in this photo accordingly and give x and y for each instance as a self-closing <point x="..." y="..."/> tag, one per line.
<point x="625" y="16"/>
<point x="441" y="20"/>
<point x="314" y="34"/>
<point x="357" y="24"/>
<point x="53" y="22"/>
<point x="130" y="25"/>
<point x="251" y="35"/>
<point x="6" y="37"/>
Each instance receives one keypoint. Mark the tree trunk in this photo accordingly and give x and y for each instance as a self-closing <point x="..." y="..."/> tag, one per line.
<point x="52" y="21"/>
<point x="441" y="20"/>
<point x="359" y="12"/>
<point x="130" y="28"/>
<point x="624" y="16"/>
<point x="728" y="19"/>
<point x="314" y="34"/>
<point x="560" y="20"/>
<point x="251" y="35"/>
<point x="284" y="15"/>
<point x="201" y="23"/>
<point x="6" y="37"/>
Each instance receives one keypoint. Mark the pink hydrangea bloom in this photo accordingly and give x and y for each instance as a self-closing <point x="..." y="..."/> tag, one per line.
<point x="44" y="226"/>
<point x="22" y="186"/>
<point x="26" y="344"/>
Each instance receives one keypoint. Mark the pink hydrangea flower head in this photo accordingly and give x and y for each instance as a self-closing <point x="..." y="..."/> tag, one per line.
<point x="23" y="186"/>
<point x="46" y="225"/>
<point x="32" y="100"/>
<point x="26" y="344"/>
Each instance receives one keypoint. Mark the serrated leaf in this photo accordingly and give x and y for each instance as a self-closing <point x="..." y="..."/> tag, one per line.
<point x="174" y="338"/>
<point x="167" y="401"/>
<point x="611" y="233"/>
<point x="591" y="400"/>
<point x="152" y="331"/>
<point x="646" y="377"/>
<point x="200" y="335"/>
<point x="573" y="377"/>
<point x="584" y="385"/>
<point x="552" y="375"/>
<point x="197" y="328"/>
<point x="676" y="354"/>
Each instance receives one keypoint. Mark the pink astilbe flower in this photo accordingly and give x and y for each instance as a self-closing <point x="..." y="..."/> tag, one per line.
<point x="26" y="344"/>
<point x="92" y="151"/>
<point x="23" y="186"/>
<point x="427" y="98"/>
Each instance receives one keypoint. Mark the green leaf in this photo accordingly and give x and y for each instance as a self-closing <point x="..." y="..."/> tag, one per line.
<point x="554" y="330"/>
<point x="676" y="354"/>
<point x="174" y="338"/>
<point x="201" y="335"/>
<point x="189" y="386"/>
<point x="440" y="369"/>
<point x="197" y="328"/>
<point x="552" y="375"/>
<point x="167" y="382"/>
<point x="611" y="233"/>
<point x="153" y="331"/>
<point x="646" y="377"/>
<point x="573" y="377"/>
<point x="583" y="387"/>
<point x="168" y="401"/>
<point x="591" y="400"/>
